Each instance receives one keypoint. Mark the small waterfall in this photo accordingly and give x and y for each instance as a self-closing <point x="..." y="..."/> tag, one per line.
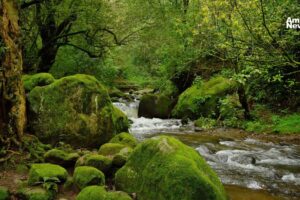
<point x="141" y="126"/>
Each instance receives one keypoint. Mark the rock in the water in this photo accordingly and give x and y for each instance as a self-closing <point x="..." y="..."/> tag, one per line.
<point x="94" y="160"/>
<point x="34" y="193"/>
<point x="40" y="172"/>
<point x="155" y="106"/>
<point x="202" y="99"/>
<point x="98" y="192"/>
<point x="4" y="193"/>
<point x="125" y="139"/>
<point x="85" y="176"/>
<point x="76" y="110"/>
<point x="164" y="168"/>
<point x="41" y="79"/>
<point x="60" y="157"/>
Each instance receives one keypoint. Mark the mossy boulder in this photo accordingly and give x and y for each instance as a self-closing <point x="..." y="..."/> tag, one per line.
<point x="40" y="172"/>
<point x="76" y="110"/>
<point x="34" y="193"/>
<point x="85" y="176"/>
<point x="119" y="153"/>
<point x="60" y="157"/>
<point x="98" y="192"/>
<point x="100" y="162"/>
<point x="125" y="139"/>
<point x="202" y="99"/>
<point x="155" y="106"/>
<point x="40" y="79"/>
<point x="164" y="168"/>
<point x="4" y="193"/>
<point x="111" y="149"/>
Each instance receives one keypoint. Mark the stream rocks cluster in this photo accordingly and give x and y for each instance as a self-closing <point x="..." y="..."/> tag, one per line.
<point x="77" y="111"/>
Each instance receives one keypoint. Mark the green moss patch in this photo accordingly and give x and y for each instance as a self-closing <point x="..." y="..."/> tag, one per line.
<point x="60" y="157"/>
<point x="98" y="192"/>
<point x="85" y="176"/>
<point x="125" y="139"/>
<point x="34" y="193"/>
<point x="164" y="168"/>
<point x="202" y="99"/>
<point x="76" y="110"/>
<point x="41" y="79"/>
<point x="94" y="160"/>
<point x="40" y="172"/>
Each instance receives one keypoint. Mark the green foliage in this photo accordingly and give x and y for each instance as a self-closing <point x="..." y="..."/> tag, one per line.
<point x="164" y="168"/>
<point x="287" y="124"/>
<point x="85" y="176"/>
<point x="205" y="123"/>
<point x="4" y="193"/>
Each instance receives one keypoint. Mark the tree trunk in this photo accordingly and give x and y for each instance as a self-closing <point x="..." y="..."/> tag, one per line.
<point x="244" y="102"/>
<point x="12" y="95"/>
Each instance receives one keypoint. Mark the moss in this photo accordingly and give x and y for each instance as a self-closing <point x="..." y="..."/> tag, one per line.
<point x="60" y="157"/>
<point x="39" y="172"/>
<point x="153" y="105"/>
<point x="202" y="99"/>
<point x="164" y="168"/>
<point x="34" y="193"/>
<point x="110" y="149"/>
<point x="85" y="176"/>
<point x="98" y="192"/>
<point x="94" y="160"/>
<point x="120" y="158"/>
<point x="76" y="110"/>
<point x="4" y="193"/>
<point x="41" y="79"/>
<point x="125" y="139"/>
<point x="92" y="193"/>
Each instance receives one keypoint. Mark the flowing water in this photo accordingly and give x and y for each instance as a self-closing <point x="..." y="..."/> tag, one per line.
<point x="250" y="169"/>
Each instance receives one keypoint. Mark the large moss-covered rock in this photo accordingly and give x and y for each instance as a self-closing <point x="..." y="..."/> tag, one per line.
<point x="4" y="193"/>
<point x="164" y="168"/>
<point x="60" y="157"/>
<point x="124" y="138"/>
<point x="76" y="110"/>
<point x="152" y="105"/>
<point x="203" y="99"/>
<point x="94" y="160"/>
<point x="40" y="172"/>
<point x="98" y="192"/>
<point x="41" y="79"/>
<point x="85" y="176"/>
<point x="34" y="193"/>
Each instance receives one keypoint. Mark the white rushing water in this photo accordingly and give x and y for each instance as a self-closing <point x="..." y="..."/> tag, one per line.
<point x="245" y="162"/>
<point x="141" y="127"/>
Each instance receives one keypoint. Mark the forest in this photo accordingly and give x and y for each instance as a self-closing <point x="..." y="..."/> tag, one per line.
<point x="149" y="100"/>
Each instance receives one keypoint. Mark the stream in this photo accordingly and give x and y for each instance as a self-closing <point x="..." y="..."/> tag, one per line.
<point x="250" y="168"/>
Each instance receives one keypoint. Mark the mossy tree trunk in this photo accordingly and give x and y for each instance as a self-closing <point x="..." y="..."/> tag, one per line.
<point x="12" y="94"/>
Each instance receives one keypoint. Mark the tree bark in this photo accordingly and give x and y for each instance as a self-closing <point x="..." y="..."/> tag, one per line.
<point x="12" y="94"/>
